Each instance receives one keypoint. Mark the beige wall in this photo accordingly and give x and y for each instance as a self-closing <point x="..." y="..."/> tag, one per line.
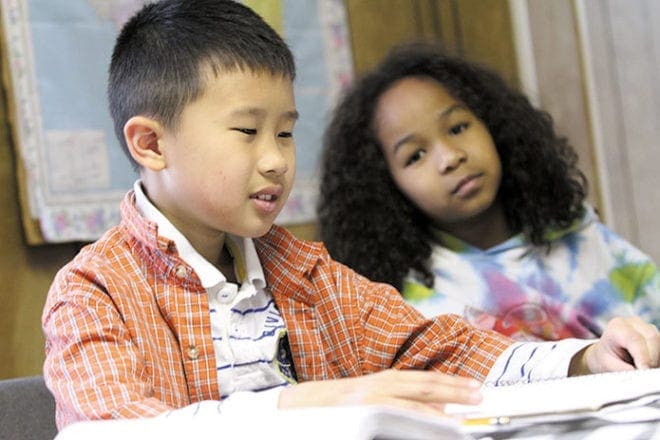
<point x="621" y="47"/>
<point x="594" y="65"/>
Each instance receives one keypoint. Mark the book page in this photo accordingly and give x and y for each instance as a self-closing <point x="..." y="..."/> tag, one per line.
<point x="322" y="423"/>
<point x="567" y="395"/>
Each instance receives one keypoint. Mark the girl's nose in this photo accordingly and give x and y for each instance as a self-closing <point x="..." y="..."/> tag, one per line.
<point x="449" y="157"/>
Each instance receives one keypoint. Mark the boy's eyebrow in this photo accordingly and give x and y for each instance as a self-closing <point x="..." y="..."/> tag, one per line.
<point x="445" y="113"/>
<point x="292" y="114"/>
<point x="259" y="112"/>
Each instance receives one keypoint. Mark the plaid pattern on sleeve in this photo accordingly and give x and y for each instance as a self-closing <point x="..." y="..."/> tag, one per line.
<point x="341" y="324"/>
<point x="128" y="330"/>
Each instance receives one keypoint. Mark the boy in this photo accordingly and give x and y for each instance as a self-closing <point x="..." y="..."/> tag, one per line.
<point x="196" y="298"/>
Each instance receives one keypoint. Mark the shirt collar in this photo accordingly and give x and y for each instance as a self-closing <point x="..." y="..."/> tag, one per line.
<point x="457" y="245"/>
<point x="246" y="261"/>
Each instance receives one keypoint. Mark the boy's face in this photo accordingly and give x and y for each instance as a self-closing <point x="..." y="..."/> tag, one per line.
<point x="440" y="154"/>
<point x="230" y="163"/>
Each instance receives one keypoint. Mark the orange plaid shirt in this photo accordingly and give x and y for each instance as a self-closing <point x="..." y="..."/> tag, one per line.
<point x="128" y="330"/>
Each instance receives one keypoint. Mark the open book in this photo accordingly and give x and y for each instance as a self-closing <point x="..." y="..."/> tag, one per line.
<point x="568" y="397"/>
<point x="327" y="423"/>
<point x="572" y="395"/>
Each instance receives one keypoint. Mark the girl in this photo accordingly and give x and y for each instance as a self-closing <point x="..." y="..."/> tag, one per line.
<point x="441" y="180"/>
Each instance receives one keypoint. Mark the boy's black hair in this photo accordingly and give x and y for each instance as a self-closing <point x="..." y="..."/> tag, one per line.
<point x="368" y="224"/>
<point x="158" y="61"/>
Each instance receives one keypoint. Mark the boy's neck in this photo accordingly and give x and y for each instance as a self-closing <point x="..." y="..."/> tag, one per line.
<point x="222" y="259"/>
<point x="209" y="244"/>
<point x="225" y="264"/>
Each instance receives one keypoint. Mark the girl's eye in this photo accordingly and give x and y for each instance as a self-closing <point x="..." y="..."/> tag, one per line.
<point x="248" y="131"/>
<point x="417" y="155"/>
<point x="458" y="128"/>
<point x="285" y="134"/>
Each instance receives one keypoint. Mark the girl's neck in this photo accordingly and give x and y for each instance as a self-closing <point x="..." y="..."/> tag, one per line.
<point x="483" y="231"/>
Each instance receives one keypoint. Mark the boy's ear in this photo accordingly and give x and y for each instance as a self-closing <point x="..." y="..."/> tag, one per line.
<point x="142" y="137"/>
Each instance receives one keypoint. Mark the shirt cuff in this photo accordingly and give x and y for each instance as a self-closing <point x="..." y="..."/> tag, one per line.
<point x="531" y="361"/>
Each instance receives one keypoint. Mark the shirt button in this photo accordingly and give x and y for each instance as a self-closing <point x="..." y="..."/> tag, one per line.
<point x="193" y="352"/>
<point x="181" y="272"/>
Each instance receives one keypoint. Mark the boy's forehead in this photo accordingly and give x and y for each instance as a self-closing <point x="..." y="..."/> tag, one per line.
<point x="239" y="89"/>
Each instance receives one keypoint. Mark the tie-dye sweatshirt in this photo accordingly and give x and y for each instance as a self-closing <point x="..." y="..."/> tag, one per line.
<point x="571" y="288"/>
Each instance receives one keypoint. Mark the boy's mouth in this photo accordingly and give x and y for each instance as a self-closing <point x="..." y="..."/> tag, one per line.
<point x="266" y="197"/>
<point x="269" y="194"/>
<point x="265" y="200"/>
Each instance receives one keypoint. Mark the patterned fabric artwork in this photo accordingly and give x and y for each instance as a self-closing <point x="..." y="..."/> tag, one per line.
<point x="58" y="53"/>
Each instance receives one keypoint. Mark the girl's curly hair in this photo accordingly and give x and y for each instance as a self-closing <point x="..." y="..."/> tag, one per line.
<point x="369" y="225"/>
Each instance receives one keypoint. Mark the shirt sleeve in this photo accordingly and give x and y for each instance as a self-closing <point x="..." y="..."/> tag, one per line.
<point x="532" y="361"/>
<point x="396" y="335"/>
<point x="91" y="366"/>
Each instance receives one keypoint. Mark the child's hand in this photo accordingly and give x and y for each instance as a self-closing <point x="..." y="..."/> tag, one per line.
<point x="425" y="391"/>
<point x="626" y="344"/>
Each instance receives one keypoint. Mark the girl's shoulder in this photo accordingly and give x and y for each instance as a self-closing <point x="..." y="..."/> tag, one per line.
<point x="588" y="217"/>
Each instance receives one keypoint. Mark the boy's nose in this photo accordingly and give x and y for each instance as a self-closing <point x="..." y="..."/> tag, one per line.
<point x="448" y="157"/>
<point x="273" y="160"/>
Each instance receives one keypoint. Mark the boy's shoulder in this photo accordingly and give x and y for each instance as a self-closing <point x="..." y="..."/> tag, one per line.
<point x="123" y="244"/>
<point x="101" y="266"/>
<point x="109" y="244"/>
<point x="109" y="251"/>
<point x="279" y="244"/>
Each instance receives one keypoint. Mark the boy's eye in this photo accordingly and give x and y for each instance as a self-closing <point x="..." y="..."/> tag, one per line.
<point x="248" y="131"/>
<point x="285" y="134"/>
<point x="458" y="128"/>
<point x="417" y="155"/>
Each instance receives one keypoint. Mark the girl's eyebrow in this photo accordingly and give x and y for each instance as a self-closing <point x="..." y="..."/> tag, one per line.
<point x="442" y="115"/>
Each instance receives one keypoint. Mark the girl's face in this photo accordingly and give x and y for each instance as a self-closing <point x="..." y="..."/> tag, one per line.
<point x="440" y="155"/>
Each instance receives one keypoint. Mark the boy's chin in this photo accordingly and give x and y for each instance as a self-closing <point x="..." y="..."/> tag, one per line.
<point x="257" y="231"/>
<point x="261" y="233"/>
<point x="255" y="226"/>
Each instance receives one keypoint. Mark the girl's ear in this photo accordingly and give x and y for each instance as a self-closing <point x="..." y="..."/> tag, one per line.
<point x="142" y="137"/>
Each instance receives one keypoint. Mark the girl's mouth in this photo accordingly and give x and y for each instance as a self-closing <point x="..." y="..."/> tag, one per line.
<point x="467" y="185"/>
